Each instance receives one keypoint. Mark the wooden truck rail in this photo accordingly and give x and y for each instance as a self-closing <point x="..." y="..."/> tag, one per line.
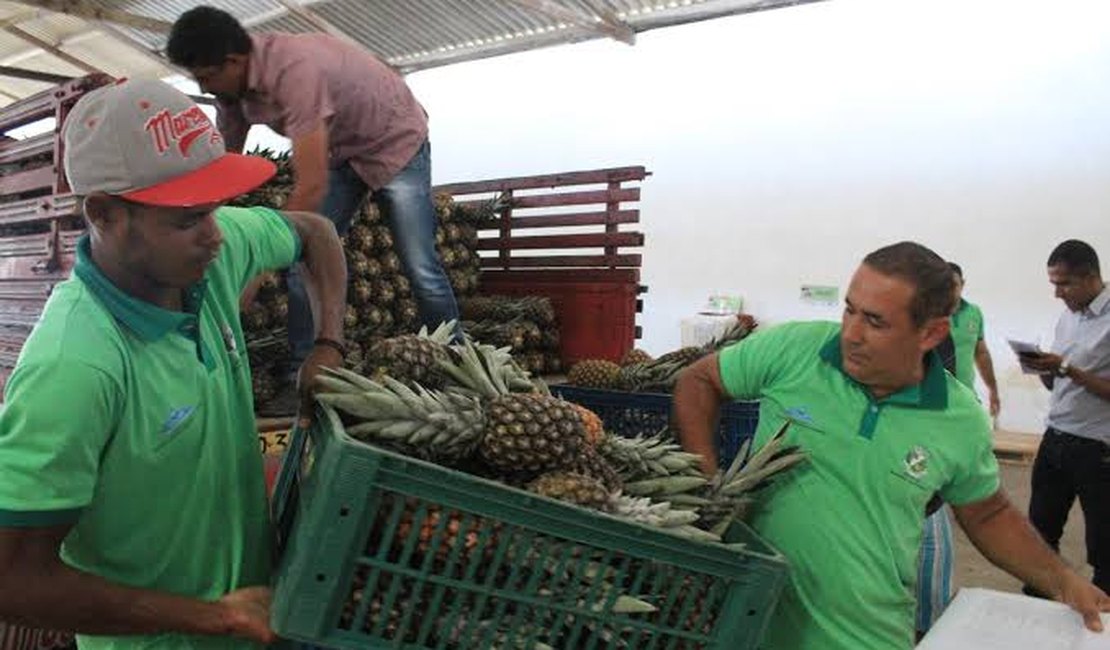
<point x="561" y="235"/>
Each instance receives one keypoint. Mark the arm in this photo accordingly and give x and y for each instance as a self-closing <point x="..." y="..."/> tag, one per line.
<point x="310" y="171"/>
<point x="326" y="282"/>
<point x="1050" y="363"/>
<point x="233" y="125"/>
<point x="698" y="394"/>
<point x="1005" y="537"/>
<point x="39" y="590"/>
<point x="986" y="370"/>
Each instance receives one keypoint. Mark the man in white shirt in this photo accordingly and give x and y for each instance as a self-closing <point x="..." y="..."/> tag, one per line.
<point x="1074" y="458"/>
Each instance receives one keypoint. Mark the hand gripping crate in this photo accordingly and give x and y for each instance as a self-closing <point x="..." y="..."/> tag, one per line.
<point x="384" y="551"/>
<point x="642" y="414"/>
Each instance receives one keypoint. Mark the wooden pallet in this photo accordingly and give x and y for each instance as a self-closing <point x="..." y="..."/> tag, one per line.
<point x="1014" y="447"/>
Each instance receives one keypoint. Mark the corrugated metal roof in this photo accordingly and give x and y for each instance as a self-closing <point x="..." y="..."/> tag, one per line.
<point x="409" y="34"/>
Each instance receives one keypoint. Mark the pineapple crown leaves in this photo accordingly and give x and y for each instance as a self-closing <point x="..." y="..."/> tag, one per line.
<point x="746" y="474"/>
<point x="665" y="486"/>
<point x="486" y="370"/>
<point x="735" y="332"/>
<point x="442" y="334"/>
<point x="448" y="424"/>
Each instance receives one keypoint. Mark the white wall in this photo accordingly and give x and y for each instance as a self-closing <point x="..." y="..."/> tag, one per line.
<point x="786" y="145"/>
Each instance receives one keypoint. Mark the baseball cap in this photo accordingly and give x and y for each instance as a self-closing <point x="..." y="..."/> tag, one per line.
<point x="147" y="142"/>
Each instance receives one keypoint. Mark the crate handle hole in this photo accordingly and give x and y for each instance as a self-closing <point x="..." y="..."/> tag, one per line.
<point x="752" y="612"/>
<point x="344" y="511"/>
<point x="320" y="577"/>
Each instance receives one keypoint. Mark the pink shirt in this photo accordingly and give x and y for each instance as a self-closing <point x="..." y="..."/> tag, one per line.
<point x="297" y="81"/>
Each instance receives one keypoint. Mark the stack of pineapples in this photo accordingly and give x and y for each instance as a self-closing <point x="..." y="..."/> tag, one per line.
<point x="472" y="408"/>
<point x="526" y="325"/>
<point x="379" y="295"/>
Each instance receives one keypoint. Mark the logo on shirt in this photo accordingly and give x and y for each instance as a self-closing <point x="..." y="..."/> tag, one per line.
<point x="917" y="462"/>
<point x="799" y="414"/>
<point x="175" y="419"/>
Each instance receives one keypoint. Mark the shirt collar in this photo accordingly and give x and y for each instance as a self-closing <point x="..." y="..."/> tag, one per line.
<point x="147" y="320"/>
<point x="1099" y="304"/>
<point x="930" y="393"/>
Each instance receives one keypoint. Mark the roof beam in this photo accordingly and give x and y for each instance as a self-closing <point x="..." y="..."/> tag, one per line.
<point x="32" y="75"/>
<point x="49" y="47"/>
<point x="604" y="23"/>
<point x="83" y="9"/>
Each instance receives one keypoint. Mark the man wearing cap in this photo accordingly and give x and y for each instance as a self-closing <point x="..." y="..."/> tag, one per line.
<point x="355" y="129"/>
<point x="884" y="428"/>
<point x="132" y="506"/>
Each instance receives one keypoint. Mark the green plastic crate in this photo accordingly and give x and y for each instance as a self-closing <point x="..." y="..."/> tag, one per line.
<point x="384" y="551"/>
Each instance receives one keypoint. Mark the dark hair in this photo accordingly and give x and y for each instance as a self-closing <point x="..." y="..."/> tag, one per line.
<point x="1077" y="256"/>
<point x="956" y="269"/>
<point x="925" y="270"/>
<point x="204" y="36"/>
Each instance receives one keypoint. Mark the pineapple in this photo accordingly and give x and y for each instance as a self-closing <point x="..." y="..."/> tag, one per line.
<point x="531" y="433"/>
<point x="389" y="324"/>
<point x="358" y="264"/>
<point x="412" y="358"/>
<point x="279" y="309"/>
<point x="683" y="356"/>
<point x="589" y="462"/>
<point x="594" y="373"/>
<point x="635" y="355"/>
<point x="257" y="319"/>
<point x="361" y="238"/>
<point x="445" y="206"/>
<point x="595" y="432"/>
<point x="402" y="286"/>
<point x="384" y="292"/>
<point x="263" y="386"/>
<point x="370" y="213"/>
<point x="350" y="318"/>
<point x="391" y="264"/>
<point x="361" y="292"/>
<point x="373" y="318"/>
<point x="655" y="376"/>
<point x="407" y="313"/>
<point x="447" y="256"/>
<point x="383" y="238"/>
<point x="578" y="489"/>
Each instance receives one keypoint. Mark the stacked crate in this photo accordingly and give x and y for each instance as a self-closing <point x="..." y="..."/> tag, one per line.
<point x="560" y="236"/>
<point x="39" y="222"/>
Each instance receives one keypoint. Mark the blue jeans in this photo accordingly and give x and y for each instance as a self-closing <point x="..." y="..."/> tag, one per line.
<point x="407" y="208"/>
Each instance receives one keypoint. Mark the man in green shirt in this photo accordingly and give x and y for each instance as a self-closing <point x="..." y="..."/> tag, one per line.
<point x="971" y="348"/>
<point x="884" y="428"/>
<point x="132" y="506"/>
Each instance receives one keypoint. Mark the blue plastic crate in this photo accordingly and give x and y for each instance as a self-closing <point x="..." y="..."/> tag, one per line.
<point x="643" y="414"/>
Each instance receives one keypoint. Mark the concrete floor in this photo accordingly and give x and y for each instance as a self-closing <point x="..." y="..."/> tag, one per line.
<point x="973" y="570"/>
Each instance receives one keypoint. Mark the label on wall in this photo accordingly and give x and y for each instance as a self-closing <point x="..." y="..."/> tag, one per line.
<point x="819" y="294"/>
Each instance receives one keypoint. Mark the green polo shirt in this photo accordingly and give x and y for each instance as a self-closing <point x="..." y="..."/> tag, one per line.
<point x="135" y="425"/>
<point x="967" y="331"/>
<point x="850" y="519"/>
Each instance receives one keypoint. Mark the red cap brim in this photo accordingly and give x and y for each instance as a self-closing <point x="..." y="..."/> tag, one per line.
<point x="224" y="179"/>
